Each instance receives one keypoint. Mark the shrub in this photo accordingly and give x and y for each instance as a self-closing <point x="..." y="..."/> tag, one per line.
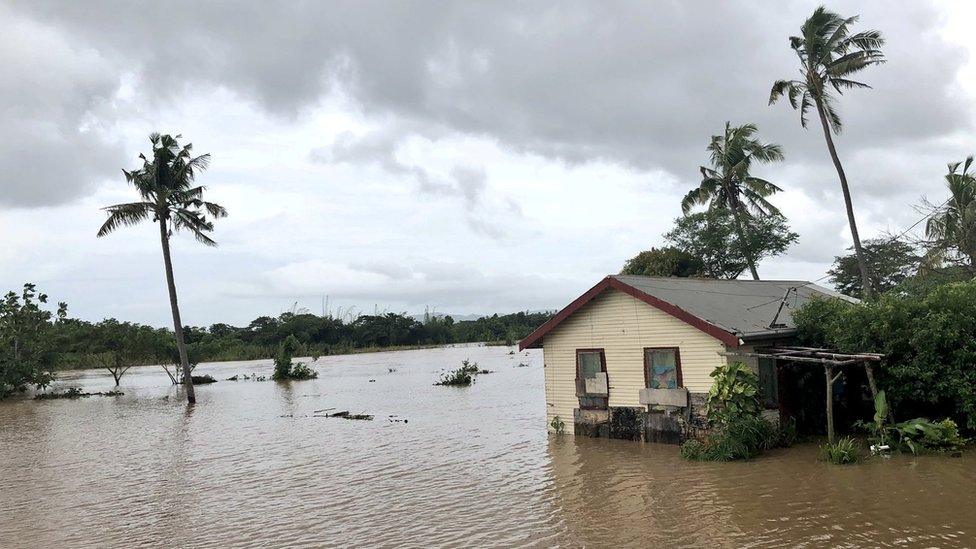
<point x="919" y="434"/>
<point x="457" y="378"/>
<point x="734" y="393"/>
<point x="302" y="371"/>
<point x="740" y="438"/>
<point x="558" y="425"/>
<point x="928" y="338"/>
<point x="284" y="369"/>
<point x="463" y="376"/>
<point x="845" y="450"/>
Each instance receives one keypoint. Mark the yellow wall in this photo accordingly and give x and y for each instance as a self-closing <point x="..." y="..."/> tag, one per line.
<point x="622" y="326"/>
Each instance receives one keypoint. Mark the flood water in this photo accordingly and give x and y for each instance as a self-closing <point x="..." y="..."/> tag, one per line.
<point x="250" y="465"/>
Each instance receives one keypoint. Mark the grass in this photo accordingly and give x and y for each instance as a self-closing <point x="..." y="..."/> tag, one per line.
<point x="844" y="451"/>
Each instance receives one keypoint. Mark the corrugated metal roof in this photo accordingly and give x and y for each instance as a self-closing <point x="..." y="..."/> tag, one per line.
<point x="743" y="307"/>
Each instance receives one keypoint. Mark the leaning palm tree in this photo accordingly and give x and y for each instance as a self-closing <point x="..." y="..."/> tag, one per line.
<point x="729" y="186"/>
<point x="166" y="185"/>
<point x="952" y="227"/>
<point x="829" y="54"/>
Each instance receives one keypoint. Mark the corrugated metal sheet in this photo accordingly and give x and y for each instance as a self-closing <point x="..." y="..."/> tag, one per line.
<point x="743" y="307"/>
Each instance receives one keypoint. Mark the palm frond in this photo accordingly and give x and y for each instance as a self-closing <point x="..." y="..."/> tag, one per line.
<point x="128" y="214"/>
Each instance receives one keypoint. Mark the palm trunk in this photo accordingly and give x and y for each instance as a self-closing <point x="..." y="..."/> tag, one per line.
<point x="742" y="239"/>
<point x="177" y="323"/>
<point x="862" y="263"/>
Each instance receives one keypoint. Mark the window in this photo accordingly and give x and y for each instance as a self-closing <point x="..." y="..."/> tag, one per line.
<point x="768" y="383"/>
<point x="590" y="363"/>
<point x="662" y="367"/>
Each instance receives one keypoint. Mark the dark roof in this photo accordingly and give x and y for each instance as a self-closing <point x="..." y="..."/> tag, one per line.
<point x="729" y="310"/>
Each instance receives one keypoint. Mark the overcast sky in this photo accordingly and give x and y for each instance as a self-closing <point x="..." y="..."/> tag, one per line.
<point x="467" y="157"/>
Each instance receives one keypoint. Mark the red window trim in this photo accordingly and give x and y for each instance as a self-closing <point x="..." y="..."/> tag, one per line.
<point x="677" y="364"/>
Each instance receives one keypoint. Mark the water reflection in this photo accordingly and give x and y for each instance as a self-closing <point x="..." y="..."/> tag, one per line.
<point x="251" y="464"/>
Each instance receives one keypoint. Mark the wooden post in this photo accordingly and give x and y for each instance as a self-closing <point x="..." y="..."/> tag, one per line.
<point x="829" y="374"/>
<point x="869" y="370"/>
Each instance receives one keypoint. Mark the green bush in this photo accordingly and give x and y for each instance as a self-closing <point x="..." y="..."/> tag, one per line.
<point x="741" y="438"/>
<point x="558" y="425"/>
<point x="928" y="337"/>
<point x="919" y="435"/>
<point x="457" y="378"/>
<point x="845" y="450"/>
<point x="734" y="393"/>
<point x="284" y="369"/>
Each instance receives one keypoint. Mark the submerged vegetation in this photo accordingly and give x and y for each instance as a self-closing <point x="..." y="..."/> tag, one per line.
<point x="843" y="451"/>
<point x="73" y="393"/>
<point x="283" y="367"/>
<point x="28" y="348"/>
<point x="463" y="376"/>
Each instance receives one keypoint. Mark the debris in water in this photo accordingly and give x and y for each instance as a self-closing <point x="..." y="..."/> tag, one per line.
<point x="75" y="392"/>
<point x="346" y="415"/>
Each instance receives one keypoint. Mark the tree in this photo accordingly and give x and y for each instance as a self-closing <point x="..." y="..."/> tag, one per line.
<point x="829" y="54"/>
<point x="926" y="339"/>
<point x="728" y="185"/>
<point x="892" y="262"/>
<point x="28" y="349"/>
<point x="951" y="229"/>
<point x="121" y="345"/>
<point x="664" y="261"/>
<point x="712" y="237"/>
<point x="166" y="186"/>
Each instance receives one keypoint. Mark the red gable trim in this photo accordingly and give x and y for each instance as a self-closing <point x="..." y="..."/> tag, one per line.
<point x="535" y="338"/>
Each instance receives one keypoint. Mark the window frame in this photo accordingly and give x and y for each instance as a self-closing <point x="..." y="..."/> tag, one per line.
<point x="603" y="369"/>
<point x="677" y="365"/>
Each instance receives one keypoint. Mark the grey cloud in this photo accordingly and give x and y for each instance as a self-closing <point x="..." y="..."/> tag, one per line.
<point x="467" y="183"/>
<point x="634" y="82"/>
<point x="52" y="148"/>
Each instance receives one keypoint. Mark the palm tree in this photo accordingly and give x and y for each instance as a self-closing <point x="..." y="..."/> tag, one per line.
<point x="165" y="185"/>
<point x="727" y="185"/>
<point x="829" y="54"/>
<point x="952" y="228"/>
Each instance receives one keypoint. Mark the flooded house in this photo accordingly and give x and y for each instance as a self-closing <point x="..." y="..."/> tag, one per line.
<point x="631" y="357"/>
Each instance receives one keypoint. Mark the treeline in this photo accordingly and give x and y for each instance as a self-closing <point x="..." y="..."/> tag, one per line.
<point x="111" y="343"/>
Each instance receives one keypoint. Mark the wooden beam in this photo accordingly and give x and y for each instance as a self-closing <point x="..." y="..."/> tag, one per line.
<point x="831" y="361"/>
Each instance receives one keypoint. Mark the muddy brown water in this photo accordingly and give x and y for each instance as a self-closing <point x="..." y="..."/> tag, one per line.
<point x="250" y="466"/>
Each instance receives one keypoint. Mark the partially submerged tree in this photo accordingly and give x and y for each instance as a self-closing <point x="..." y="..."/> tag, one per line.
<point x="27" y="342"/>
<point x="892" y="262"/>
<point x="664" y="261"/>
<point x="727" y="185"/>
<point x="713" y="238"/>
<point x="122" y="345"/>
<point x="829" y="54"/>
<point x="165" y="184"/>
<point x="951" y="228"/>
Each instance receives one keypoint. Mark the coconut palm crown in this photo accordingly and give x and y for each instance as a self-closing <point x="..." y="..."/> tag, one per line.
<point x="166" y="186"/>
<point x="952" y="228"/>
<point x="829" y="54"/>
<point x="728" y="184"/>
